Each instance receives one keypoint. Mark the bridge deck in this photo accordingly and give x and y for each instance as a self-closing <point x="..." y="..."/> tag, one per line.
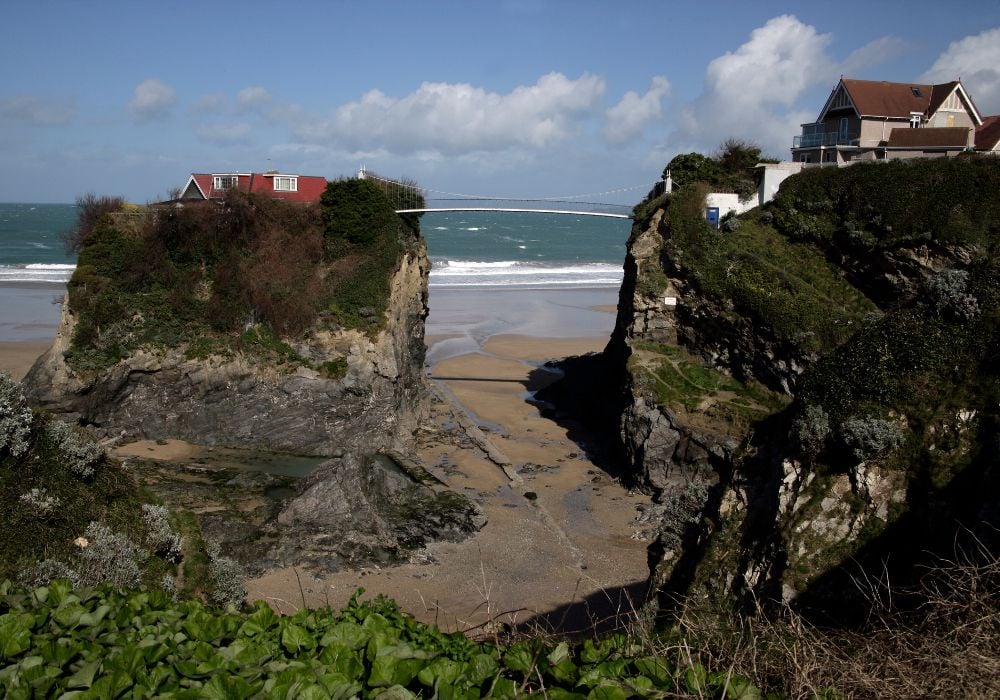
<point x="528" y="211"/>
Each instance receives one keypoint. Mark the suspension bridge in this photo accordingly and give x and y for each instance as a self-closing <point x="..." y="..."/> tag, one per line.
<point x="409" y="198"/>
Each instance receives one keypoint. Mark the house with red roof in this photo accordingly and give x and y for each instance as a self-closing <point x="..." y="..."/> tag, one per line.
<point x="293" y="188"/>
<point x="874" y="120"/>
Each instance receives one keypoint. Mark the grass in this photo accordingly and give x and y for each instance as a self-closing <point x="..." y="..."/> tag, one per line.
<point x="680" y="381"/>
<point x="787" y="286"/>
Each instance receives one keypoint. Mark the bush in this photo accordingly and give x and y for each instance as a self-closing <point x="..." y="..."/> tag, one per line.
<point x="810" y="430"/>
<point x="160" y="538"/>
<point x="228" y="579"/>
<point x="870" y="437"/>
<point x="110" y="557"/>
<point x="947" y="291"/>
<point x="15" y="417"/>
<point x="40" y="502"/>
<point x="90" y="210"/>
<point x="80" y="451"/>
<point x="46" y="571"/>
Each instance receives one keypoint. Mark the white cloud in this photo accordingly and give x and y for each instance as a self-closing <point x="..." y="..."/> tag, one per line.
<point x="455" y="118"/>
<point x="29" y="110"/>
<point x="252" y="98"/>
<point x="976" y="60"/>
<point x="871" y="54"/>
<point x="627" y="119"/>
<point x="752" y="93"/>
<point x="152" y="99"/>
<point x="224" y="133"/>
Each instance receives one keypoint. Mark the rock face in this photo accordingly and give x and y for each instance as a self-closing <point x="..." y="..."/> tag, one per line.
<point x="750" y="512"/>
<point x="235" y="402"/>
<point x="661" y="450"/>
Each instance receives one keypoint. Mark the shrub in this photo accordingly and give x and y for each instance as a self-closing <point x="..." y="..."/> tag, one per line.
<point x="46" y="571"/>
<point x="947" y="291"/>
<point x="228" y="579"/>
<point x="682" y="508"/>
<point x="810" y="430"/>
<point x="15" y="417"/>
<point x="870" y="437"/>
<point x="40" y="502"/>
<point x="110" y="557"/>
<point x="80" y="451"/>
<point x="160" y="538"/>
<point x="90" y="210"/>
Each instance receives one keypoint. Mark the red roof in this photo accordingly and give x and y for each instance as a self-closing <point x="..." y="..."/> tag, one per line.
<point x="988" y="135"/>
<point x="308" y="187"/>
<point x="878" y="98"/>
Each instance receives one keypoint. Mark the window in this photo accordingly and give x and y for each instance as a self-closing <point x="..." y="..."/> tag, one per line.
<point x="286" y="184"/>
<point x="916" y="92"/>
<point x="843" y="129"/>
<point x="915" y="120"/>
<point x="224" y="182"/>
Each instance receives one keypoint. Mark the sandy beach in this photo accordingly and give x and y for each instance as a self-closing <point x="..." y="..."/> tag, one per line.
<point x="560" y="548"/>
<point x="29" y="318"/>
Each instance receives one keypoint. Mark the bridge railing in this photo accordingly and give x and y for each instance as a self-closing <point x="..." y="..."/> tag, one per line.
<point x="407" y="196"/>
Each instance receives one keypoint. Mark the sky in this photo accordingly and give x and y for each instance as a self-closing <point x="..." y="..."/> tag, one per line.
<point x="519" y="98"/>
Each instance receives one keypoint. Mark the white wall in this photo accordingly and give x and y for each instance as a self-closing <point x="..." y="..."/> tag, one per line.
<point x="774" y="174"/>
<point x="727" y="202"/>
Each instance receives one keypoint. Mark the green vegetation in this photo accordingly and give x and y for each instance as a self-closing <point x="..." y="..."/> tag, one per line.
<point x="232" y="277"/>
<point x="106" y="643"/>
<point x="729" y="170"/>
<point x="893" y="204"/>
<point x="786" y="286"/>
<point x="680" y="381"/>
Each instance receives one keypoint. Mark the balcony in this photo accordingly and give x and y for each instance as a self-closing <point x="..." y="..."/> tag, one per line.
<point x="829" y="138"/>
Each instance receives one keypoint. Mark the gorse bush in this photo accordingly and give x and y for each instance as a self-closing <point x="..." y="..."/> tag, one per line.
<point x="80" y="451"/>
<point x="91" y="209"/>
<point x="15" y="417"/>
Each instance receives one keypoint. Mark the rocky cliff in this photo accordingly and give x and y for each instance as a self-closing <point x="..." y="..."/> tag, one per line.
<point x="256" y="324"/>
<point x="813" y="388"/>
<point x="240" y="401"/>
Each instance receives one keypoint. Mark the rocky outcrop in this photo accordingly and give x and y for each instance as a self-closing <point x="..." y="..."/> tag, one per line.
<point x="352" y="511"/>
<point x="782" y="509"/>
<point x="237" y="401"/>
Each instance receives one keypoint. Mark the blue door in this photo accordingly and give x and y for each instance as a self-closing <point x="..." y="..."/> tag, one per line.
<point x="712" y="216"/>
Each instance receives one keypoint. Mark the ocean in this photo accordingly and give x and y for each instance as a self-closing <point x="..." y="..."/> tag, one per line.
<point x="467" y="249"/>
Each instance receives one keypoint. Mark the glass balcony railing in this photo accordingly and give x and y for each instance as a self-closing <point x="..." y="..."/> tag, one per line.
<point x="829" y="138"/>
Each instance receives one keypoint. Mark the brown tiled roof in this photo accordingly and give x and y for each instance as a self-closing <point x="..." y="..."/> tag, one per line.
<point x="988" y="135"/>
<point x="878" y="98"/>
<point x="940" y="137"/>
<point x="939" y="93"/>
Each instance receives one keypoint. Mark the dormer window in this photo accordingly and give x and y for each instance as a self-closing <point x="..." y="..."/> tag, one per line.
<point x="224" y="182"/>
<point x="915" y="120"/>
<point x="286" y="184"/>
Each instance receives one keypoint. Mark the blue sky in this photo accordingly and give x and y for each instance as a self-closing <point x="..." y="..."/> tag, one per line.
<point x="510" y="97"/>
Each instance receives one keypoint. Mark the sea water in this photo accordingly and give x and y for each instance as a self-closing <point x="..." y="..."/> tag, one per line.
<point x="467" y="249"/>
<point x="32" y="247"/>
